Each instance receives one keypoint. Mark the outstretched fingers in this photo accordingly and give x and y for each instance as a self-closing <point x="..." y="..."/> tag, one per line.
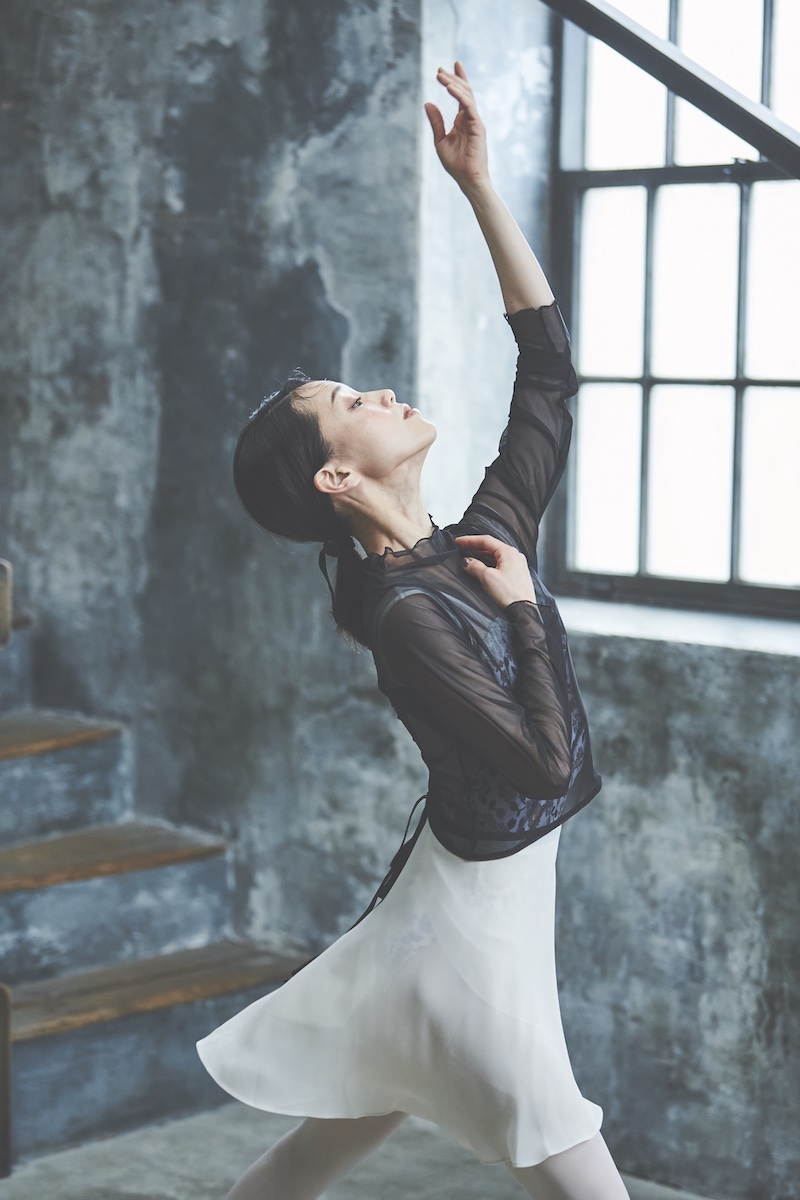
<point x="460" y="88"/>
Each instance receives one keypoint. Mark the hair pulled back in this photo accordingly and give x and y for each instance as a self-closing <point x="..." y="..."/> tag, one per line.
<point x="277" y="454"/>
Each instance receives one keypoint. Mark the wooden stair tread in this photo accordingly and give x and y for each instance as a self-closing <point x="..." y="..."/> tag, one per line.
<point x="100" y="850"/>
<point x="25" y="731"/>
<point x="82" y="998"/>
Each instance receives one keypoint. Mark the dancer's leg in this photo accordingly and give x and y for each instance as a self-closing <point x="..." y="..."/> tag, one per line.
<point x="312" y="1156"/>
<point x="583" y="1172"/>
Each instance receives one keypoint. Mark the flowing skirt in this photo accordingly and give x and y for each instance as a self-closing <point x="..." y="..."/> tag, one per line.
<point x="442" y="1002"/>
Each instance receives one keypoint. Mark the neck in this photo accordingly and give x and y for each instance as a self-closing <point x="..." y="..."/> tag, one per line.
<point x="402" y="531"/>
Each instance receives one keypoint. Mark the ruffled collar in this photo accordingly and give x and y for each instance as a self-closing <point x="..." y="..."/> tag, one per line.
<point x="425" y="550"/>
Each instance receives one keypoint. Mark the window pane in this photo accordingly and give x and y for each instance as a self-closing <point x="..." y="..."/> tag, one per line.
<point x="653" y="14"/>
<point x="695" y="279"/>
<point x="725" y="38"/>
<point x="608" y="456"/>
<point x="729" y="45"/>
<point x="699" y="140"/>
<point x="785" y="99"/>
<point x="689" y="485"/>
<point x="626" y="112"/>
<point x="772" y="345"/>
<point x="611" y="312"/>
<point x="770" y="541"/>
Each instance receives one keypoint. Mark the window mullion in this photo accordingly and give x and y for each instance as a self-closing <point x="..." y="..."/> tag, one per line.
<point x="741" y="318"/>
<point x="669" y="156"/>
<point x="644" y="473"/>
<point x="766" y="55"/>
<point x="575" y="244"/>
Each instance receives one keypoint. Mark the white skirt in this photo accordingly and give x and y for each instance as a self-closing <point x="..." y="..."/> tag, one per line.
<point x="442" y="1002"/>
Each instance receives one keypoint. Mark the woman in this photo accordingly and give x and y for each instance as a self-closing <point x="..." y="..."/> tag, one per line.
<point x="443" y="1001"/>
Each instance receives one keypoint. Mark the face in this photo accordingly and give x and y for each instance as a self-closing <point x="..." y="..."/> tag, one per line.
<point x="372" y="435"/>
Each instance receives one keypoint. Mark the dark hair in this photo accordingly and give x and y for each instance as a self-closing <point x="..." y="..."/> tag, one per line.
<point x="277" y="454"/>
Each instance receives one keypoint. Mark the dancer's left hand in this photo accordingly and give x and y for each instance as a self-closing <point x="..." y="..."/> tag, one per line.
<point x="509" y="579"/>
<point x="462" y="152"/>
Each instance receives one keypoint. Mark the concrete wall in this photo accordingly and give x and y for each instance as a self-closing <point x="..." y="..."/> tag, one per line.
<point x="678" y="913"/>
<point x="200" y="196"/>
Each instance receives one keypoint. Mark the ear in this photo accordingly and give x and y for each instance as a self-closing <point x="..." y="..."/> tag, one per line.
<point x="336" y="481"/>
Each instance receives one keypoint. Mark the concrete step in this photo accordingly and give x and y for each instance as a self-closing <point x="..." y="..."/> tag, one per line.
<point x="113" y="1048"/>
<point x="109" y="894"/>
<point x="16" y="675"/>
<point x="61" y="771"/>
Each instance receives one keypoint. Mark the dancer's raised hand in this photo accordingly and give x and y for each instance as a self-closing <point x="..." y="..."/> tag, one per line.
<point x="462" y="152"/>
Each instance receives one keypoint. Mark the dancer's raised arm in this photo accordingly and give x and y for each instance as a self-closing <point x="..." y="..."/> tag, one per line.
<point x="463" y="154"/>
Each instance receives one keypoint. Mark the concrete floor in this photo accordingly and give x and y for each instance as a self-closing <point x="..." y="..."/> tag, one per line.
<point x="200" y="1157"/>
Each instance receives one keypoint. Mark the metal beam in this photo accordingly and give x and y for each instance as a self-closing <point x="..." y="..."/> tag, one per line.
<point x="750" y="120"/>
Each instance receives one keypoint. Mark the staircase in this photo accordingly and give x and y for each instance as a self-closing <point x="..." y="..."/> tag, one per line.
<point x="117" y="951"/>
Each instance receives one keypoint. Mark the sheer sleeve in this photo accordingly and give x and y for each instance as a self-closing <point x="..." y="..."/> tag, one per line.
<point x="525" y="733"/>
<point x="533" y="447"/>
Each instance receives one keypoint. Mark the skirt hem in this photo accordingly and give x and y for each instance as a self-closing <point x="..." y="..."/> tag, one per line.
<point x="487" y="1162"/>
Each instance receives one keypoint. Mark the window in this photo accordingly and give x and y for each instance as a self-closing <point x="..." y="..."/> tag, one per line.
<point x="678" y="261"/>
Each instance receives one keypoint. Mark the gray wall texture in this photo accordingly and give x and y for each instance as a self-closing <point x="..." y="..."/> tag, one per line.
<point x="678" y="914"/>
<point x="199" y="196"/>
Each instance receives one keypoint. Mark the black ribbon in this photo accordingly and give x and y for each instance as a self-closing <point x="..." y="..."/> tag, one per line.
<point x="323" y="566"/>
<point x="335" y="549"/>
<point x="395" y="867"/>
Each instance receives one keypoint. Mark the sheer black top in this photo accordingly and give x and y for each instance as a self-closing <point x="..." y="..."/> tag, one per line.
<point x="489" y="694"/>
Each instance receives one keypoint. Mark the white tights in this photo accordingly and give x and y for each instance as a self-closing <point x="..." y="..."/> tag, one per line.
<point x="319" y="1151"/>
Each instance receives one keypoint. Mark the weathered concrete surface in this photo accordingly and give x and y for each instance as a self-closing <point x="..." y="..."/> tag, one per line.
<point x="200" y="197"/>
<point x="678" y="913"/>
<point x="103" y="1079"/>
<point x="113" y="918"/>
<point x="15" y="669"/>
<point x="70" y="788"/>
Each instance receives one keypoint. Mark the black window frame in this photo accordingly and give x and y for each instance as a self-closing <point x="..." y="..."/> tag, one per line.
<point x="567" y="185"/>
